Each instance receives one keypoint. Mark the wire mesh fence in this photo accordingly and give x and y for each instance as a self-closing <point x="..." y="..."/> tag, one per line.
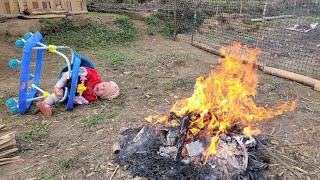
<point x="286" y="31"/>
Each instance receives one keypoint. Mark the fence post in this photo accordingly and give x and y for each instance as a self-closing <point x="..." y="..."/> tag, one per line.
<point x="194" y="26"/>
<point x="175" y="21"/>
<point x="263" y="21"/>
<point x="241" y="6"/>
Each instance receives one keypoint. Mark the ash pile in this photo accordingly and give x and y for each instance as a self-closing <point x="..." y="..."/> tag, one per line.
<point x="160" y="152"/>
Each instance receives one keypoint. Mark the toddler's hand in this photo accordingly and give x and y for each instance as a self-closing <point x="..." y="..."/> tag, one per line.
<point x="58" y="91"/>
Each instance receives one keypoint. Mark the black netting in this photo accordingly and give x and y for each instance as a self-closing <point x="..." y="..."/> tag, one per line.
<point x="286" y="31"/>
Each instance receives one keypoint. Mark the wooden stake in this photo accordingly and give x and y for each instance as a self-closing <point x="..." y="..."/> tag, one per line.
<point x="114" y="172"/>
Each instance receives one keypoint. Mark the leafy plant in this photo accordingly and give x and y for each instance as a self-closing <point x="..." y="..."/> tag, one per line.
<point x="66" y="162"/>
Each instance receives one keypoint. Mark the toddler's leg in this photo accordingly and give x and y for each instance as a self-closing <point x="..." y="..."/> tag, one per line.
<point x="46" y="106"/>
<point x="52" y="99"/>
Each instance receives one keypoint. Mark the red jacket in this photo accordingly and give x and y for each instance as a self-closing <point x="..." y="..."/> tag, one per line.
<point x="93" y="78"/>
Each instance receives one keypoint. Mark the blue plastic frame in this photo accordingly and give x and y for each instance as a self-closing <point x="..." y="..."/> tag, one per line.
<point x="24" y="94"/>
<point x="24" y="71"/>
<point x="77" y="62"/>
<point x="74" y="80"/>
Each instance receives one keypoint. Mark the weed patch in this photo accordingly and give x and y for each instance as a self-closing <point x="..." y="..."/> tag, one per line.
<point x="87" y="34"/>
<point x="65" y="163"/>
<point x="93" y="120"/>
<point x="113" y="59"/>
<point x="170" y="21"/>
<point x="98" y="118"/>
<point x="2" y="101"/>
<point x="36" y="134"/>
<point x="118" y="101"/>
<point x="179" y="83"/>
<point x="43" y="175"/>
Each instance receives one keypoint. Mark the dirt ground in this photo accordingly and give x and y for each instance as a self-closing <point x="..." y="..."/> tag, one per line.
<point x="157" y="73"/>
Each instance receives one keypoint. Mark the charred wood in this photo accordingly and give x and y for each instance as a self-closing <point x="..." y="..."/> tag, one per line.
<point x="182" y="135"/>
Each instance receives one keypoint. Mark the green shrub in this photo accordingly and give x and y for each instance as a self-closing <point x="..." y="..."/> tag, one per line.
<point x="87" y="34"/>
<point x="170" y="21"/>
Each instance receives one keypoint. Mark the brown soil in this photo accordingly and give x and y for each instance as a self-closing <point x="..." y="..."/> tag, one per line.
<point x="150" y="83"/>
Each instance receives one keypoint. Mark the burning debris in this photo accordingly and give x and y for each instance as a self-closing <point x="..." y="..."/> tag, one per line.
<point x="210" y="134"/>
<point x="152" y="152"/>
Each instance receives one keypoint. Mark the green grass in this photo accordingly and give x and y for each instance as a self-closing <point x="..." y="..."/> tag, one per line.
<point x="113" y="59"/>
<point x="152" y="63"/>
<point x="116" y="59"/>
<point x="2" y="101"/>
<point x="65" y="163"/>
<point x="181" y="83"/>
<point x="8" y="119"/>
<point x="215" y="1"/>
<point x="36" y="134"/>
<point x="151" y="31"/>
<point x="275" y="86"/>
<point x="43" y="175"/>
<point x="99" y="118"/>
<point x="86" y="35"/>
<point x="119" y="101"/>
<point x="93" y="120"/>
<point x="112" y="113"/>
<point x="153" y="21"/>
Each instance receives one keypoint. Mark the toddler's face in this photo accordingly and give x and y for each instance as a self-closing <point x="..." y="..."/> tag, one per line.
<point x="101" y="88"/>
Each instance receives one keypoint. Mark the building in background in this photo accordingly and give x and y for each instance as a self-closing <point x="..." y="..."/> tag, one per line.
<point x="41" y="7"/>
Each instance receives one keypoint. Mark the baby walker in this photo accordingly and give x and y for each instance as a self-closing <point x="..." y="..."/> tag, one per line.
<point x="29" y="82"/>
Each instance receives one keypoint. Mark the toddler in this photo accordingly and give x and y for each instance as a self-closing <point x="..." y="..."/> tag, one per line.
<point x="89" y="88"/>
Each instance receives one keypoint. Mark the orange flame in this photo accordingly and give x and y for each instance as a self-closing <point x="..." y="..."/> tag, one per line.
<point x="224" y="98"/>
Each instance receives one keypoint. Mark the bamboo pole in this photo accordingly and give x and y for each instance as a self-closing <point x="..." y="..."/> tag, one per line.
<point x="207" y="48"/>
<point x="293" y="76"/>
<point x="314" y="83"/>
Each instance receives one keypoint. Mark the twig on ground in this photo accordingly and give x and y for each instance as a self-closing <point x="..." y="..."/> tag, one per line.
<point x="154" y="111"/>
<point x="286" y="157"/>
<point x="296" y="144"/>
<point x="280" y="161"/>
<point x="114" y="172"/>
<point x="299" y="169"/>
<point x="272" y="132"/>
<point x="29" y="167"/>
<point x="309" y="109"/>
<point x="309" y="100"/>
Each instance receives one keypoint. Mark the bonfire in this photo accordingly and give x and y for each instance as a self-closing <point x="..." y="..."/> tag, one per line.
<point x="221" y="108"/>
<point x="223" y="99"/>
